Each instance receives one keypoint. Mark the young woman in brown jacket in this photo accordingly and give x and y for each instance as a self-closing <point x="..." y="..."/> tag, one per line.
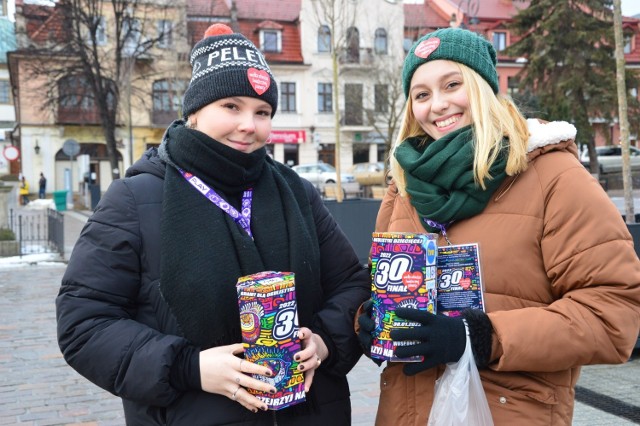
<point x="560" y="276"/>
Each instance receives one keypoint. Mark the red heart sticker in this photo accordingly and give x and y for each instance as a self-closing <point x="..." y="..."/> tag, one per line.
<point x="465" y="283"/>
<point x="427" y="47"/>
<point x="412" y="280"/>
<point x="259" y="80"/>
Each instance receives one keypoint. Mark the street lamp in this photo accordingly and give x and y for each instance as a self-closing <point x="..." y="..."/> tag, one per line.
<point x="37" y="148"/>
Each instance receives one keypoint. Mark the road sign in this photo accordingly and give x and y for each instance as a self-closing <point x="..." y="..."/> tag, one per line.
<point x="71" y="147"/>
<point x="11" y="153"/>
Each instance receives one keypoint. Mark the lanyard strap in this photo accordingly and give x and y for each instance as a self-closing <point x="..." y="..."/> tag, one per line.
<point x="242" y="218"/>
<point x="441" y="226"/>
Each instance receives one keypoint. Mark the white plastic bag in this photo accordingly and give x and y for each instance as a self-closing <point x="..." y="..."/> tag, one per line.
<point x="459" y="398"/>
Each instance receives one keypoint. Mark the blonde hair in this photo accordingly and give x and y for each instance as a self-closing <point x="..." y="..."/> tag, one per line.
<point x="493" y="117"/>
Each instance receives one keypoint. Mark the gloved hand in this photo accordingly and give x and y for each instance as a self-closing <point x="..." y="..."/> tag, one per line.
<point x="367" y="327"/>
<point x="441" y="339"/>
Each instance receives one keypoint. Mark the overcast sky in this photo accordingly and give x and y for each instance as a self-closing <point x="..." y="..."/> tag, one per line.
<point x="630" y="7"/>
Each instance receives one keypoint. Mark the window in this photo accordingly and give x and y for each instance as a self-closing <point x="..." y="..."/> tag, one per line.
<point x="165" y="33"/>
<point x="167" y="95"/>
<point x="353" y="104"/>
<point x="499" y="40"/>
<point x="131" y="32"/>
<point x="627" y="44"/>
<point x="353" y="45"/>
<point x="407" y="43"/>
<point x="287" y="97"/>
<point x="167" y="100"/>
<point x="381" y="97"/>
<point x="513" y="84"/>
<point x="325" y="96"/>
<point x="324" y="39"/>
<point x="5" y="97"/>
<point x="380" y="42"/>
<point x="101" y="30"/>
<point x="75" y="94"/>
<point x="98" y="27"/>
<point x="270" y="41"/>
<point x="77" y="101"/>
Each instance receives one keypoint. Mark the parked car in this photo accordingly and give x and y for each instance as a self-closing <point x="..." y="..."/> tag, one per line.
<point x="369" y="173"/>
<point x="610" y="158"/>
<point x="323" y="174"/>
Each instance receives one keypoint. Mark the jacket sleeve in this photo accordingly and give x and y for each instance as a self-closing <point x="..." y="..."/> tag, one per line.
<point x="96" y="309"/>
<point x="345" y="282"/>
<point x="589" y="259"/>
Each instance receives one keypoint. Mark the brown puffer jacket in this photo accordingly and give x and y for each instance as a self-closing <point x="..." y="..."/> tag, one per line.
<point x="561" y="281"/>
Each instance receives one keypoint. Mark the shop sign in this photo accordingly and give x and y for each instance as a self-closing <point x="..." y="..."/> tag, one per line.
<point x="288" y="136"/>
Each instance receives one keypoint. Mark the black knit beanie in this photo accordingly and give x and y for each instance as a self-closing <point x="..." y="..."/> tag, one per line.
<point x="226" y="64"/>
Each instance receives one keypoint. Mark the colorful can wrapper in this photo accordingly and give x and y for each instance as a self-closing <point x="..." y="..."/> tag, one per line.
<point x="403" y="274"/>
<point x="269" y="323"/>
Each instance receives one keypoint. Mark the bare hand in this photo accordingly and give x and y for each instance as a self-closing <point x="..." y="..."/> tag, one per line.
<point x="313" y="352"/>
<point x="224" y="373"/>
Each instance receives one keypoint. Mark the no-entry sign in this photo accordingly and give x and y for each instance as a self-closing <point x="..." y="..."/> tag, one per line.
<point x="11" y="153"/>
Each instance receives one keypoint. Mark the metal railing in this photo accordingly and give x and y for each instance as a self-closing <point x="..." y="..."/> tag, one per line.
<point x="38" y="231"/>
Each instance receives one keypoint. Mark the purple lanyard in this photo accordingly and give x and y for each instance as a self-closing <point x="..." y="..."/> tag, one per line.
<point x="241" y="218"/>
<point x="442" y="227"/>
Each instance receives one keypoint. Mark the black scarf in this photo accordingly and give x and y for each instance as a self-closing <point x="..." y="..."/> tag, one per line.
<point x="204" y="251"/>
<point x="440" y="177"/>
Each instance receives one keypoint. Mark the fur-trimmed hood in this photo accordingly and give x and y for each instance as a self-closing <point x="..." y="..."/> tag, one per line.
<point x="543" y="133"/>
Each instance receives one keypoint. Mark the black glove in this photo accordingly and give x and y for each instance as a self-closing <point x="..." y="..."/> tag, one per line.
<point x="441" y="339"/>
<point x="367" y="327"/>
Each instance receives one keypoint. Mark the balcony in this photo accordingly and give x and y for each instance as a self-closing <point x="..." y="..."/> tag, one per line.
<point x="78" y="115"/>
<point x="162" y="118"/>
<point x="362" y="57"/>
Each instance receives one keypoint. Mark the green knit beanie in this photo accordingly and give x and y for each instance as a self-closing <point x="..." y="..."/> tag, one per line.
<point x="453" y="44"/>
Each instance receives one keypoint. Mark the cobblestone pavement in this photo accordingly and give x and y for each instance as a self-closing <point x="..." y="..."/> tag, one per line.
<point x="36" y="385"/>
<point x="38" y="388"/>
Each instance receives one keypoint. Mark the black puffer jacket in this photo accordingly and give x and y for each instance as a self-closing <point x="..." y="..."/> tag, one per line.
<point x="110" y="311"/>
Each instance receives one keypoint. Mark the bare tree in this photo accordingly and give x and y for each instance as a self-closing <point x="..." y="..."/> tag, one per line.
<point x="338" y="15"/>
<point x="378" y="66"/>
<point x="104" y="47"/>
<point x="627" y="181"/>
<point x="386" y="114"/>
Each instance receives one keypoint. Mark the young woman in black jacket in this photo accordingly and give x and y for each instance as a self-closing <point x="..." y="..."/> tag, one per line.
<point x="148" y="308"/>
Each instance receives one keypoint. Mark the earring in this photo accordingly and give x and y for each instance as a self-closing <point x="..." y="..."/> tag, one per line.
<point x="189" y="124"/>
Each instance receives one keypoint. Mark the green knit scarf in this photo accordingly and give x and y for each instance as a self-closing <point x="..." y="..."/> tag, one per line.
<point x="439" y="177"/>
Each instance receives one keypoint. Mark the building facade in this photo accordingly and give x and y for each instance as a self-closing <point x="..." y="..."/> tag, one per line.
<point x="7" y="111"/>
<point x="54" y="112"/>
<point x="354" y="51"/>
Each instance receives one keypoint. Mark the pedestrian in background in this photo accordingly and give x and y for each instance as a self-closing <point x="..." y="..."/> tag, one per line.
<point x="148" y="308"/>
<point x="24" y="191"/>
<point x="560" y="276"/>
<point x="42" y="186"/>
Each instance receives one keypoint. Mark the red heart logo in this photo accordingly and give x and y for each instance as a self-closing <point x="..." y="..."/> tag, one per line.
<point x="465" y="283"/>
<point x="412" y="280"/>
<point x="427" y="47"/>
<point x="259" y="80"/>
